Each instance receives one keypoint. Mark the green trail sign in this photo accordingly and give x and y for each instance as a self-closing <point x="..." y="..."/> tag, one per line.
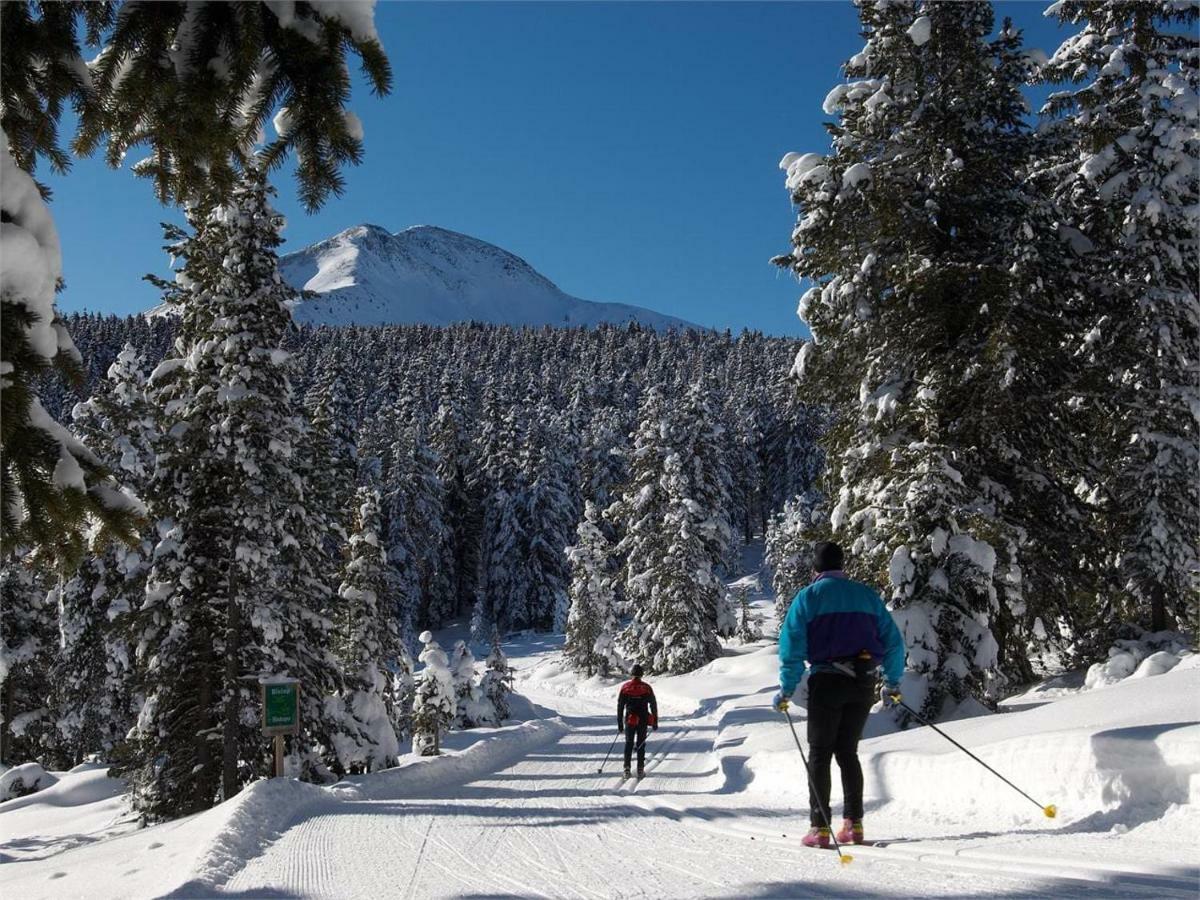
<point x="281" y="706"/>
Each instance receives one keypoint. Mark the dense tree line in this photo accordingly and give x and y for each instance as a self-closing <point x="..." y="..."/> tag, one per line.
<point x="317" y="497"/>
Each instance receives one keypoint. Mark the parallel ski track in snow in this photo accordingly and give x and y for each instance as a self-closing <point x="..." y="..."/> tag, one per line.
<point x="1126" y="878"/>
<point x="549" y="825"/>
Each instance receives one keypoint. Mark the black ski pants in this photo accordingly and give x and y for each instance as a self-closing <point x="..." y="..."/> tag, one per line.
<point x="837" y="713"/>
<point x="637" y="732"/>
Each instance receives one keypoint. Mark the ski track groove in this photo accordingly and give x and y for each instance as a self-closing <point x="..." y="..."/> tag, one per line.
<point x="1005" y="865"/>
<point x="412" y="879"/>
<point x="603" y="826"/>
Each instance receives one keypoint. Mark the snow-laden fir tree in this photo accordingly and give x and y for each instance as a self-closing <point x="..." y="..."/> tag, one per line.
<point x="727" y="614"/>
<point x="234" y="592"/>
<point x="592" y="625"/>
<point x="639" y="508"/>
<point x="404" y="578"/>
<point x="749" y="623"/>
<point x="462" y="514"/>
<point x="547" y="515"/>
<point x="365" y="641"/>
<point x="27" y="639"/>
<point x="92" y="701"/>
<point x="1126" y="178"/>
<point x="143" y="88"/>
<point x="433" y="701"/>
<point x="909" y="230"/>
<point x="503" y="572"/>
<point x="400" y="699"/>
<point x="709" y="481"/>
<point x="495" y="684"/>
<point x="416" y="463"/>
<point x="791" y="534"/>
<point x="54" y="491"/>
<point x="466" y="689"/>
<point x="674" y="622"/>
<point x="335" y="459"/>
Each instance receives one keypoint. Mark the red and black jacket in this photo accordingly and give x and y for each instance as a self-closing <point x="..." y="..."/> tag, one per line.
<point x="636" y="704"/>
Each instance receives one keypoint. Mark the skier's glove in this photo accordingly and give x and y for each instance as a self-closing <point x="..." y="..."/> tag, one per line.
<point x="780" y="702"/>
<point x="890" y="694"/>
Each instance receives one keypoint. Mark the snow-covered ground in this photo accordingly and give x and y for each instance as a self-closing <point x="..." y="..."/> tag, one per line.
<point x="523" y="810"/>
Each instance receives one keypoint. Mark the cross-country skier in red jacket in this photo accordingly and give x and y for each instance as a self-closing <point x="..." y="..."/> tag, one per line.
<point x="637" y="710"/>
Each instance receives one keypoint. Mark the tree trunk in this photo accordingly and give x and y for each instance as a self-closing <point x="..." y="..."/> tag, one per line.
<point x="1158" y="608"/>
<point x="231" y="715"/>
<point x="6" y="701"/>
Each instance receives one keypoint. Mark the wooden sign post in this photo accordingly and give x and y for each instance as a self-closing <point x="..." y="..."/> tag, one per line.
<point x="281" y="713"/>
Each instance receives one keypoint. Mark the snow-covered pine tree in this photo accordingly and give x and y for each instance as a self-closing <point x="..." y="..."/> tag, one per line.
<point x="907" y="230"/>
<point x="432" y="540"/>
<point x="707" y="472"/>
<point x="365" y="643"/>
<point x="403" y="594"/>
<point x="91" y="702"/>
<point x="1126" y="179"/>
<point x="674" y="623"/>
<point x="727" y="614"/>
<point x="463" y="516"/>
<point x="404" y="686"/>
<point x="749" y="623"/>
<point x="502" y="583"/>
<point x="334" y="454"/>
<point x="640" y="507"/>
<point x="27" y="639"/>
<point x="469" y="706"/>
<point x="495" y="684"/>
<point x="546" y="516"/>
<point x="792" y="456"/>
<point x="234" y="592"/>
<point x="791" y="534"/>
<point x="55" y="489"/>
<point x="52" y="484"/>
<point x="592" y="624"/>
<point x="433" y="701"/>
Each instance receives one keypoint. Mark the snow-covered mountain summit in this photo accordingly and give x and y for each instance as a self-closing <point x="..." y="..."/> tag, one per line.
<point x="368" y="276"/>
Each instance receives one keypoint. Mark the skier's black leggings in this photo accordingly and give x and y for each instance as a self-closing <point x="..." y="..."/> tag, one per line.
<point x="837" y="712"/>
<point x="639" y="732"/>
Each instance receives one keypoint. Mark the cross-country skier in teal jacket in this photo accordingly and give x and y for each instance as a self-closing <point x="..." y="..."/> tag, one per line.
<point x="843" y="629"/>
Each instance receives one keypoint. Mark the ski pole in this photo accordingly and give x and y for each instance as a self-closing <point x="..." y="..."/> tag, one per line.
<point x="608" y="754"/>
<point x="1050" y="811"/>
<point x="844" y="858"/>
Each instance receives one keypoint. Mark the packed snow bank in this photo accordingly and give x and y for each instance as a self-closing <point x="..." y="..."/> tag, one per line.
<point x="85" y="813"/>
<point x="1122" y="757"/>
<point x="482" y="750"/>
<point x="1142" y="657"/>
<point x="19" y="781"/>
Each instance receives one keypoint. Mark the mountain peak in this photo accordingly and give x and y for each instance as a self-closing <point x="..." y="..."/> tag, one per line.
<point x="367" y="275"/>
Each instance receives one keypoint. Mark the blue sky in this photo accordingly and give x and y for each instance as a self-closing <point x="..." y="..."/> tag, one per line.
<point x="627" y="151"/>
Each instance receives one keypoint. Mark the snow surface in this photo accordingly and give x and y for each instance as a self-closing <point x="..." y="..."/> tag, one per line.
<point x="425" y="274"/>
<point x="522" y="810"/>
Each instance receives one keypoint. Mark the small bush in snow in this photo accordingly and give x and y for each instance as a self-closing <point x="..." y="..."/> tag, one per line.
<point x="495" y="684"/>
<point x="433" y="704"/>
<point x="21" y="781"/>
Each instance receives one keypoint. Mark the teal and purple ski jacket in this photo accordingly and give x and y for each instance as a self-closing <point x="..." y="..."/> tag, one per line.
<point x="832" y="619"/>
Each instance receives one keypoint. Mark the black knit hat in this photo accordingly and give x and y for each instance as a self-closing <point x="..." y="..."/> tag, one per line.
<point x="636" y="671"/>
<point x="828" y="556"/>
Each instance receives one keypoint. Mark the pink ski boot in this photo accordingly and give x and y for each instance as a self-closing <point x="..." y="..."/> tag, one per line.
<point x="816" y="837"/>
<point x="851" y="832"/>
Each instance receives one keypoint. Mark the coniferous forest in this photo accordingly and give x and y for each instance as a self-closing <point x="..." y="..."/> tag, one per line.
<point x="996" y="413"/>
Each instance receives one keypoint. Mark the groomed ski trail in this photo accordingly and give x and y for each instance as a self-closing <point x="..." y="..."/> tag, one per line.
<point x="549" y="825"/>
